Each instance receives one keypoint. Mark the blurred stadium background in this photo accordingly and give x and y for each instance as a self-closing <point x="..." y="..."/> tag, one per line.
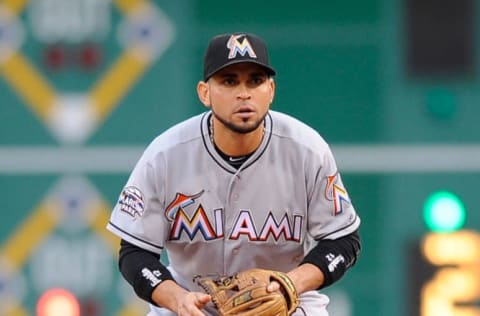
<point x="393" y="85"/>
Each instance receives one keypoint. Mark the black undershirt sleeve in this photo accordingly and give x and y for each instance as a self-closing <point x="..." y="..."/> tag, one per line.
<point x="142" y="269"/>
<point x="335" y="257"/>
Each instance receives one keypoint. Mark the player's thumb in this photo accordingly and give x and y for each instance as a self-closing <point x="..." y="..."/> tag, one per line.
<point x="273" y="286"/>
<point x="202" y="299"/>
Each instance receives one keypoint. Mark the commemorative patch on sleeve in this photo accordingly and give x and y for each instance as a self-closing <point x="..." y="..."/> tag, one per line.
<point x="131" y="201"/>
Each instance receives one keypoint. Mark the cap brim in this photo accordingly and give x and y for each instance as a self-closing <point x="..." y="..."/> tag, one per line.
<point x="269" y="69"/>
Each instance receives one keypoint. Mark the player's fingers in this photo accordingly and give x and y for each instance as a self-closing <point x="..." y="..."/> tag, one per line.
<point x="273" y="286"/>
<point x="202" y="299"/>
<point x="192" y="304"/>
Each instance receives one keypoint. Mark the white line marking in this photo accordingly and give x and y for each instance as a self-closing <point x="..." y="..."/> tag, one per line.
<point x="350" y="158"/>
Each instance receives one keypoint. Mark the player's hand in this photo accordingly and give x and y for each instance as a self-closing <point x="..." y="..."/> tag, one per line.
<point x="192" y="303"/>
<point x="170" y="295"/>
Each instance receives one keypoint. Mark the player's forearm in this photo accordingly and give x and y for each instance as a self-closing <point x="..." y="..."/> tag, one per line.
<point x="167" y="294"/>
<point x="334" y="257"/>
<point x="306" y="277"/>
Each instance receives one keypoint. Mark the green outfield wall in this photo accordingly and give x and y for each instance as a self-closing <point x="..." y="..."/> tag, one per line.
<point x="85" y="85"/>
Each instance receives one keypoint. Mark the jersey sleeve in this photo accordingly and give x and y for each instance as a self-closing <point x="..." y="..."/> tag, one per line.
<point x="135" y="217"/>
<point x="331" y="213"/>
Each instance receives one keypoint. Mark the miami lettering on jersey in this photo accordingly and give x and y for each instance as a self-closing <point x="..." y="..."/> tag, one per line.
<point x="242" y="47"/>
<point x="191" y="226"/>
<point x="336" y="193"/>
<point x="244" y="225"/>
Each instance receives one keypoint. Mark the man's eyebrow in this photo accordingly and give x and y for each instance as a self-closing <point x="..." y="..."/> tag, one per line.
<point x="228" y="74"/>
<point x="259" y="73"/>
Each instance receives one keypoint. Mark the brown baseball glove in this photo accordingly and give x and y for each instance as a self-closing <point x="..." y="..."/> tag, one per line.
<point x="245" y="293"/>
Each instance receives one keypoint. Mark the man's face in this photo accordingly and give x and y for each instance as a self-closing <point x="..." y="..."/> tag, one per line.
<point x="239" y="96"/>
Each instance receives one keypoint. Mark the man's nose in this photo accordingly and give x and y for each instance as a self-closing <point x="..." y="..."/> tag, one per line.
<point x="243" y="92"/>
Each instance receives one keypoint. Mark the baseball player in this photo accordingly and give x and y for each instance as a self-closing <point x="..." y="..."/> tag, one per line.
<point x="237" y="187"/>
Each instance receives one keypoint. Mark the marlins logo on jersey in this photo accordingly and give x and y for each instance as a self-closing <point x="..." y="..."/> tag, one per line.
<point x="180" y="201"/>
<point x="198" y="223"/>
<point x="335" y="192"/>
<point x="240" y="47"/>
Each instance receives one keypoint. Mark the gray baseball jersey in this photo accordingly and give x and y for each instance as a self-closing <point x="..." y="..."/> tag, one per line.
<point x="182" y="196"/>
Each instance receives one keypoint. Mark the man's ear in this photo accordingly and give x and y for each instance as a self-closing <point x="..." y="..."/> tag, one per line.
<point x="203" y="92"/>
<point x="272" y="88"/>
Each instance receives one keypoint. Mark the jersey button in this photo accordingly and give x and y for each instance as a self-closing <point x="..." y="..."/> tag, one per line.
<point x="235" y="197"/>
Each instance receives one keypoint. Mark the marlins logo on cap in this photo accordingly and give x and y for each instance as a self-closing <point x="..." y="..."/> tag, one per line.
<point x="240" y="46"/>
<point x="228" y="49"/>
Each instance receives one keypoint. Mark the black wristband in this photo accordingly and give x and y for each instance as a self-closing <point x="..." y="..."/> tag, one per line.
<point x="334" y="257"/>
<point x="142" y="269"/>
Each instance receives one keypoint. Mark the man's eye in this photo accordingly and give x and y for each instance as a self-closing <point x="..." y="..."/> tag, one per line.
<point x="258" y="80"/>
<point x="229" y="81"/>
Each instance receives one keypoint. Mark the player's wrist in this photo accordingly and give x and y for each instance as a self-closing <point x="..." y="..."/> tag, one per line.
<point x="169" y="294"/>
<point x="306" y="277"/>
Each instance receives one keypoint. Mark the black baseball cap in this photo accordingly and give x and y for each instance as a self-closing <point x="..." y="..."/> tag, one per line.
<point x="228" y="49"/>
